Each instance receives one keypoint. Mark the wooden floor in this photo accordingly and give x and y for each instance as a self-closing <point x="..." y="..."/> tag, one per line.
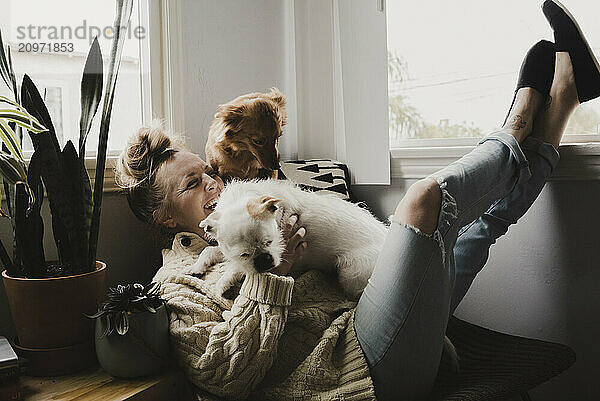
<point x="99" y="385"/>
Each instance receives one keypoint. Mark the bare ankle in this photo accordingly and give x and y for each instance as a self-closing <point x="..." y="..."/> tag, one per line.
<point x="564" y="89"/>
<point x="527" y="103"/>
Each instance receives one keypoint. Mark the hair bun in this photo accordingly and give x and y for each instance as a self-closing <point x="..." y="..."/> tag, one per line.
<point x="144" y="152"/>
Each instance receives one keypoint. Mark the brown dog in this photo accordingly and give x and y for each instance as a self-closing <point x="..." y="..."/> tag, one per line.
<point x="243" y="137"/>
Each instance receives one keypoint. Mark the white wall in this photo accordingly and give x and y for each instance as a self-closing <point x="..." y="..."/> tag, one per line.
<point x="231" y="48"/>
<point x="310" y="50"/>
<point x="341" y="85"/>
<point x="314" y="71"/>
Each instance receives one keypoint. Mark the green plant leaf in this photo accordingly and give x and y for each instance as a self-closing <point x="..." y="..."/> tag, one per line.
<point x="7" y="262"/>
<point x="4" y="71"/>
<point x="72" y="181"/>
<point x="12" y="169"/>
<point x="87" y="205"/>
<point x="123" y="15"/>
<point x="91" y="93"/>
<point x="34" y="221"/>
<point x="32" y="121"/>
<point x="149" y="308"/>
<point x="8" y="76"/>
<point x="12" y="103"/>
<point x="9" y="138"/>
<point x="110" y="318"/>
<point x="20" y="233"/>
<point x="29" y="253"/>
<point x="152" y="289"/>
<point x="46" y="144"/>
<point x="22" y="119"/>
<point x="2" y="212"/>
<point x="122" y="323"/>
<point x="96" y="315"/>
<point x="34" y="104"/>
<point x="29" y="226"/>
<point x="11" y="72"/>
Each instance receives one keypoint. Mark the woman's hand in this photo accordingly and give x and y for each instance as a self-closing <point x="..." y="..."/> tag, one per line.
<point x="295" y="245"/>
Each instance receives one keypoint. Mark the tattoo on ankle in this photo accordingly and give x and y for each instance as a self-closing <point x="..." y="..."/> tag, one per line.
<point x="517" y="123"/>
<point x="548" y="102"/>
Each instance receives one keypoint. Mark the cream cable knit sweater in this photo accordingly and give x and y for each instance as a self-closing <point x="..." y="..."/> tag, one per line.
<point x="280" y="338"/>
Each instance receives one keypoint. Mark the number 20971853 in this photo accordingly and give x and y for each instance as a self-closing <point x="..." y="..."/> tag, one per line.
<point x="46" y="47"/>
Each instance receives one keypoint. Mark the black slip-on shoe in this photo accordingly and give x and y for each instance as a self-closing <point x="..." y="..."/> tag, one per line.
<point x="569" y="37"/>
<point x="537" y="70"/>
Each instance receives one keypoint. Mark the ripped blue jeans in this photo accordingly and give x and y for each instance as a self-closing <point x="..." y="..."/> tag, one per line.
<point x="419" y="279"/>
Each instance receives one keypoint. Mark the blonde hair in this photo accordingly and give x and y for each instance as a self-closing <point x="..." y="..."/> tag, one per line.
<point x="135" y="172"/>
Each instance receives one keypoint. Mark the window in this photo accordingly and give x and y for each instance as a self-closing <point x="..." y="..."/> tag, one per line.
<point x="51" y="47"/>
<point x="453" y="66"/>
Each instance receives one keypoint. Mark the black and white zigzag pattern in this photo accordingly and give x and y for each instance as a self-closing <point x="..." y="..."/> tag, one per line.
<point x="318" y="175"/>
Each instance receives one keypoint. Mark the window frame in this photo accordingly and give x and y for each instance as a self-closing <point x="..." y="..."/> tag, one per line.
<point x="150" y="16"/>
<point x="578" y="160"/>
<point x="418" y="158"/>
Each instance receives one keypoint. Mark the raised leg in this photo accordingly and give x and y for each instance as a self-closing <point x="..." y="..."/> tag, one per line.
<point x="474" y="240"/>
<point x="421" y="202"/>
<point x="401" y="317"/>
<point x="526" y="105"/>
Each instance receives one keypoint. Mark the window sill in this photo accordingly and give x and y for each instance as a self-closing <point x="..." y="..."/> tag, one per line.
<point x="579" y="161"/>
<point x="109" y="172"/>
<point x="90" y="165"/>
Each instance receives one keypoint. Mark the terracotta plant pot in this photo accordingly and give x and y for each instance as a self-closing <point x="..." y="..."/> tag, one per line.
<point x="48" y="312"/>
<point x="57" y="361"/>
<point x="142" y="351"/>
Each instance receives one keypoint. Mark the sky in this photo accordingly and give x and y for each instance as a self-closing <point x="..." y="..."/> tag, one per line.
<point x="463" y="56"/>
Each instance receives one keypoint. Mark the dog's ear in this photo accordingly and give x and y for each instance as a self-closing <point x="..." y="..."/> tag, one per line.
<point x="277" y="97"/>
<point x="262" y="207"/>
<point x="232" y="115"/>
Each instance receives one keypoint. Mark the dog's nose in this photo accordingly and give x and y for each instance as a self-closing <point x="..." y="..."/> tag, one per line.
<point x="263" y="262"/>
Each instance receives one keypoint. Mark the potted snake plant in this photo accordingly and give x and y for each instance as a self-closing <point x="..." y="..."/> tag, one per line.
<point x="132" y="331"/>
<point x="48" y="298"/>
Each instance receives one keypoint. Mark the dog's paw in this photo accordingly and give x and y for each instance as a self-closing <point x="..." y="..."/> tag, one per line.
<point x="228" y="282"/>
<point x="224" y="284"/>
<point x="195" y="269"/>
<point x="210" y="256"/>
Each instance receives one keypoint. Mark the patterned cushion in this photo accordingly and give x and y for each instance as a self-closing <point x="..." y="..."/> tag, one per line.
<point x="321" y="175"/>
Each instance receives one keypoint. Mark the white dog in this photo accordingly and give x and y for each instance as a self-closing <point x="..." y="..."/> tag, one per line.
<point x="247" y="224"/>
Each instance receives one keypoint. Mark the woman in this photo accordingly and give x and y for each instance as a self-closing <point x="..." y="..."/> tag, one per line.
<point x="299" y="338"/>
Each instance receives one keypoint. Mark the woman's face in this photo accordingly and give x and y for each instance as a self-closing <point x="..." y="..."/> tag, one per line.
<point x="192" y="190"/>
